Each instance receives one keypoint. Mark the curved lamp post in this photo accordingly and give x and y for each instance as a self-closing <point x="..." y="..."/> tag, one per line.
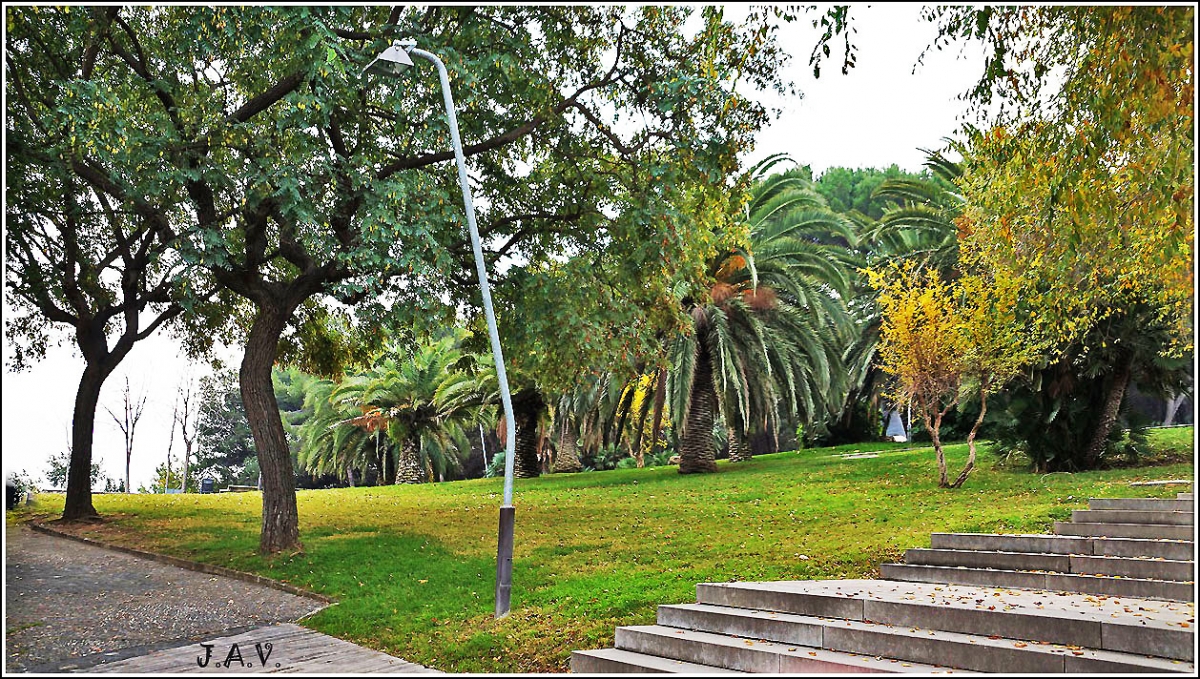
<point x="393" y="62"/>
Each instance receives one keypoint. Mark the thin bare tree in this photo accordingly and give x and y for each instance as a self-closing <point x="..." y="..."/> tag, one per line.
<point x="171" y="442"/>
<point x="127" y="423"/>
<point x="185" y="417"/>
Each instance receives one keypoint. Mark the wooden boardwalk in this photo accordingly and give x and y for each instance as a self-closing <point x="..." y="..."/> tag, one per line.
<point x="286" y="648"/>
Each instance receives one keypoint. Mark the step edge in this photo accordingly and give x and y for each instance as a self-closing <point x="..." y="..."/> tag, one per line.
<point x="965" y="639"/>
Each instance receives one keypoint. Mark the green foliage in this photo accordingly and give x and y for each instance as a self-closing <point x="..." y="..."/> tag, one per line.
<point x="166" y="479"/>
<point x="856" y="190"/>
<point x="412" y="567"/>
<point x="427" y="395"/>
<point x="58" y="467"/>
<point x="606" y="458"/>
<point x="495" y="468"/>
<point x="772" y="320"/>
<point x="224" y="443"/>
<point x="1054" y="417"/>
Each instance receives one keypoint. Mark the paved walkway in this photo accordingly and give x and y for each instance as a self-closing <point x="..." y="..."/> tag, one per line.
<point x="276" y="648"/>
<point x="71" y="607"/>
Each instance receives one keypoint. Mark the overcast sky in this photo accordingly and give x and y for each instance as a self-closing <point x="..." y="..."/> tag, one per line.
<point x="879" y="114"/>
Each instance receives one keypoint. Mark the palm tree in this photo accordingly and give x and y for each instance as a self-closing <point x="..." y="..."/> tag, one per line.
<point x="768" y="333"/>
<point x="921" y="229"/>
<point x="428" y="403"/>
<point x="339" y="437"/>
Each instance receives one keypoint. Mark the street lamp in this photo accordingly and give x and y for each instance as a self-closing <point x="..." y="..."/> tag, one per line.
<point x="393" y="62"/>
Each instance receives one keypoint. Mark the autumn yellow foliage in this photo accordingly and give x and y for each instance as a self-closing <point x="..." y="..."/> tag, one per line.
<point x="946" y="341"/>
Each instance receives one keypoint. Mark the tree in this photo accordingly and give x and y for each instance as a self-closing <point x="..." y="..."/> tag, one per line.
<point x="339" y="436"/>
<point x="65" y="240"/>
<point x="767" y="335"/>
<point x="1087" y="192"/>
<point x="60" y="467"/>
<point x="272" y="166"/>
<point x="185" y="416"/>
<point x="856" y="190"/>
<point x="946" y="341"/>
<point x="164" y="478"/>
<point x="131" y="413"/>
<point x="425" y="403"/>
<point x="1083" y="189"/>
<point x="918" y="226"/>
<point x="224" y="444"/>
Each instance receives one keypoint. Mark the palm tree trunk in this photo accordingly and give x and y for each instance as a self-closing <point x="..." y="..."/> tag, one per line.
<point x="622" y="415"/>
<point x="696" y="454"/>
<point x="567" y="459"/>
<point x="636" y="447"/>
<point x="527" y="407"/>
<point x="1108" y="416"/>
<point x="739" y="446"/>
<point x="408" y="464"/>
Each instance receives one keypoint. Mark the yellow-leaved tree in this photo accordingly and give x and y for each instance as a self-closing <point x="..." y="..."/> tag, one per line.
<point x="948" y="341"/>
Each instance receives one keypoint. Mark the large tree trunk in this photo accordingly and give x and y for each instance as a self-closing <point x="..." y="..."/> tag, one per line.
<point x="696" y="454"/>
<point x="527" y="407"/>
<point x="567" y="459"/>
<point x="1108" y="416"/>
<point x="79" y="475"/>
<point x="280" y="520"/>
<point x="408" y="464"/>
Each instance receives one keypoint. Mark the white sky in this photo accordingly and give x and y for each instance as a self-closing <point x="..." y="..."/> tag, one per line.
<point x="879" y="114"/>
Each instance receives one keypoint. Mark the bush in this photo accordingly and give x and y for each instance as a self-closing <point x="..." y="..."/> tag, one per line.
<point x="1053" y="426"/>
<point x="495" y="467"/>
<point x="603" y="459"/>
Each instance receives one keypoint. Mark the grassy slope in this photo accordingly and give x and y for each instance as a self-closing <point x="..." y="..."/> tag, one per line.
<point x="413" y="567"/>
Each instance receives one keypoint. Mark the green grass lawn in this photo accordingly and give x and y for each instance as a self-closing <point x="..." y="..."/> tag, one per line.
<point x="413" y="567"/>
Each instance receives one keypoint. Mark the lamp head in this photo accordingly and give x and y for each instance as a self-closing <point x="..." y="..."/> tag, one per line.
<point x="392" y="62"/>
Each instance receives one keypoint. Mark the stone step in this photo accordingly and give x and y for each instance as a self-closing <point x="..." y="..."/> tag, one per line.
<point x="1101" y="623"/>
<point x="1055" y="582"/>
<point x="1179" y="550"/>
<point x="1143" y="504"/>
<point x="1149" y="531"/>
<point x="1126" y="567"/>
<point x="617" y="661"/>
<point x="953" y="649"/>
<point x="1184" y="496"/>
<point x="748" y="655"/>
<point x="1172" y="518"/>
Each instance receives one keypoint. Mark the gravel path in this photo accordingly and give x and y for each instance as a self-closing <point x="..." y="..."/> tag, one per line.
<point x="70" y="606"/>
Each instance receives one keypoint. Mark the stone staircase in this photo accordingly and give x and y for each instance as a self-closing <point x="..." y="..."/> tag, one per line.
<point x="1111" y="591"/>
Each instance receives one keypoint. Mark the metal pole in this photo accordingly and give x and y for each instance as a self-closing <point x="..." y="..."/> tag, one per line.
<point x="504" y="542"/>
